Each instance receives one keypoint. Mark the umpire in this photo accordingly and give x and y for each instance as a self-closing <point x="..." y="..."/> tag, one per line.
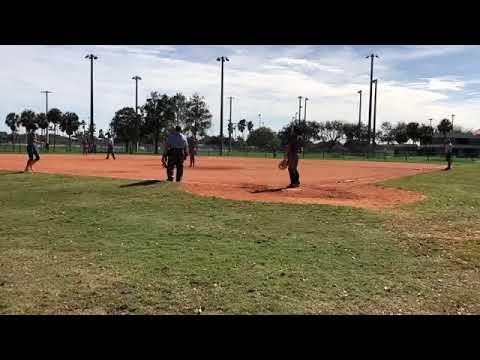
<point x="175" y="153"/>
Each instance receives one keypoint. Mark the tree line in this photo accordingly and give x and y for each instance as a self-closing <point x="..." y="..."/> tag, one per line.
<point x="68" y="122"/>
<point x="331" y="133"/>
<point x="152" y="121"/>
<point x="150" y="124"/>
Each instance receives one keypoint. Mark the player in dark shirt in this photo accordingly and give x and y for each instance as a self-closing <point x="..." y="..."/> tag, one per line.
<point x="31" y="150"/>
<point x="175" y="153"/>
<point x="110" y="147"/>
<point x="192" y="151"/>
<point x="291" y="154"/>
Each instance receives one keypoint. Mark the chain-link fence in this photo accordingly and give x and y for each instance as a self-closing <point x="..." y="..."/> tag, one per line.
<point x="420" y="154"/>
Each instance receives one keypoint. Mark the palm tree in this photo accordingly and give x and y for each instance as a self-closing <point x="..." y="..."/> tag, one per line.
<point x="12" y="122"/>
<point x="444" y="127"/>
<point x="242" y="124"/>
<point x="42" y="122"/>
<point x="54" y="116"/>
<point x="69" y="124"/>
<point x="249" y="126"/>
<point x="28" y="120"/>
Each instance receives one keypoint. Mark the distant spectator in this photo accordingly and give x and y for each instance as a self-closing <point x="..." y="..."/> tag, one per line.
<point x="448" y="154"/>
<point x="110" y="147"/>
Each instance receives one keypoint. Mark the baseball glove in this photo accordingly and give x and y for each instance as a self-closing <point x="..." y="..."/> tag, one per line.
<point x="283" y="164"/>
<point x="164" y="162"/>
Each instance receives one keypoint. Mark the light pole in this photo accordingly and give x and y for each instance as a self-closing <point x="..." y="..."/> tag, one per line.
<point x="453" y="131"/>
<point x="305" y="111"/>
<point x="222" y="59"/>
<point x="46" y="92"/>
<point x="230" y="128"/>
<point x="259" y="120"/>
<point x="375" y="112"/>
<point x="371" y="56"/>
<point x="431" y="135"/>
<point x="299" y="109"/>
<point x="136" y="78"/>
<point x="91" y="57"/>
<point x="360" y="110"/>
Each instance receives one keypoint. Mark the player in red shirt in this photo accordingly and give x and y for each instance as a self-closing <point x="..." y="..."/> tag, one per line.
<point x="291" y="154"/>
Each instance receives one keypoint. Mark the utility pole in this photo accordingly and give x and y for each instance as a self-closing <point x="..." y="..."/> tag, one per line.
<point x="230" y="127"/>
<point x="375" y="113"/>
<point x="360" y="110"/>
<point x="222" y="59"/>
<point x="371" y="56"/>
<point x="299" y="109"/>
<point x="46" y="92"/>
<point x="136" y="78"/>
<point x="305" y="111"/>
<point x="91" y="57"/>
<point x="453" y="132"/>
<point x="305" y="127"/>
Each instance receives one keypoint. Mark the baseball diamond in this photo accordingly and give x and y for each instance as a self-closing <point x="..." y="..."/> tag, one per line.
<point x="340" y="182"/>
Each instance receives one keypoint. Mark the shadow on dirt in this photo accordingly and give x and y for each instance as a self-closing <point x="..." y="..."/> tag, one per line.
<point x="268" y="190"/>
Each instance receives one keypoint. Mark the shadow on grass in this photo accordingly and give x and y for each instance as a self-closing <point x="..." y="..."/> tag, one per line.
<point x="142" y="183"/>
<point x="12" y="173"/>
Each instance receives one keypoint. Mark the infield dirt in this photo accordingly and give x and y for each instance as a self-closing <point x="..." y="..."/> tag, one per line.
<point x="348" y="183"/>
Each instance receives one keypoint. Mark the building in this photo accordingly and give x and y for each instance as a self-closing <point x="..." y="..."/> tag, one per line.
<point x="464" y="145"/>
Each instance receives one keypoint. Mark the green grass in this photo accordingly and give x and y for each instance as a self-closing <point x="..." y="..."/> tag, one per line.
<point x="89" y="245"/>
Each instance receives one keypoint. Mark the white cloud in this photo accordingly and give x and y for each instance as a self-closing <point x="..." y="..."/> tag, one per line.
<point x="305" y="64"/>
<point x="264" y="80"/>
<point x="439" y="84"/>
<point x="417" y="52"/>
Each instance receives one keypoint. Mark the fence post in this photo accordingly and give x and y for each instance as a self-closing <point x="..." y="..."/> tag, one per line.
<point x="323" y="155"/>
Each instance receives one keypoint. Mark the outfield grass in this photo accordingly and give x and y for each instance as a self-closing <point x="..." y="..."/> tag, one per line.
<point x="91" y="245"/>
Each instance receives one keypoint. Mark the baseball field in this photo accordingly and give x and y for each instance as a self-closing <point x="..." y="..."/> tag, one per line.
<point x="85" y="235"/>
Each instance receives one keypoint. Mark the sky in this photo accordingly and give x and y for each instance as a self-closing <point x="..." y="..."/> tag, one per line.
<point x="415" y="83"/>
